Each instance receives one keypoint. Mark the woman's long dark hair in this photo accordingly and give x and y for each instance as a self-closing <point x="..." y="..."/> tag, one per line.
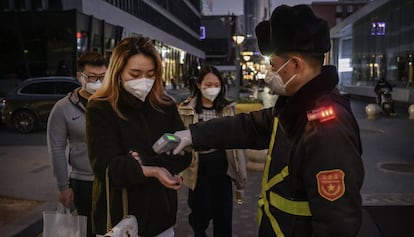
<point x="221" y="101"/>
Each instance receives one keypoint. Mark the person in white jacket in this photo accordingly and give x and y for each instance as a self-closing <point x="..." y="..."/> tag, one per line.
<point x="66" y="138"/>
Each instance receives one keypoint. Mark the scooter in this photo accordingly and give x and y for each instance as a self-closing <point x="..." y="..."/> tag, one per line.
<point x="385" y="101"/>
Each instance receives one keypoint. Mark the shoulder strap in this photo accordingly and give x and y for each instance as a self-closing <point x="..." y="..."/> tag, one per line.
<point x="108" y="207"/>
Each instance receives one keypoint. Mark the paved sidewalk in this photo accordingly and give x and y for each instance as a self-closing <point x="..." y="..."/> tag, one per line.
<point x="388" y="190"/>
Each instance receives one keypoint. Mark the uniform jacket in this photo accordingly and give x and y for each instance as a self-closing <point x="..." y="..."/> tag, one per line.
<point x="109" y="140"/>
<point x="235" y="157"/>
<point x="66" y="128"/>
<point x="315" y="162"/>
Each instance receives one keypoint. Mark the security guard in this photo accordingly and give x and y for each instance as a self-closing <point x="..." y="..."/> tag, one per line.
<point x="313" y="172"/>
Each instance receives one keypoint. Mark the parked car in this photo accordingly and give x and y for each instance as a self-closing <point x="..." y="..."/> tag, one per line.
<point x="27" y="106"/>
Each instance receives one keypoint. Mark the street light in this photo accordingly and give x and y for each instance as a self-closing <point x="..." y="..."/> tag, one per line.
<point x="238" y="39"/>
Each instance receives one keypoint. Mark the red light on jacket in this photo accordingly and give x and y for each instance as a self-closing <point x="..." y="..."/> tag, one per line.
<point x="322" y="114"/>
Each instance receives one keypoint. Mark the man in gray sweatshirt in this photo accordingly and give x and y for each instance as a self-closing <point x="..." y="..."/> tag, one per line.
<point x="66" y="138"/>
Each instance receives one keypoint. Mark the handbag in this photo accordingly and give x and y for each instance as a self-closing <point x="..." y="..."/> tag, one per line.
<point x="62" y="223"/>
<point x="191" y="172"/>
<point x="128" y="226"/>
<point x="237" y="167"/>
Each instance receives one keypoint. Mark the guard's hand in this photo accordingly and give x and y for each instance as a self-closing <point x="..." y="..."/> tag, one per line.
<point x="186" y="140"/>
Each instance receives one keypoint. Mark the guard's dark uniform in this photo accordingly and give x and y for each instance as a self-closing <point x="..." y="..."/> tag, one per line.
<point x="313" y="173"/>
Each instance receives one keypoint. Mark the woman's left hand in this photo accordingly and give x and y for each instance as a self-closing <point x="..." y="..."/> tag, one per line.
<point x="163" y="175"/>
<point x="180" y="181"/>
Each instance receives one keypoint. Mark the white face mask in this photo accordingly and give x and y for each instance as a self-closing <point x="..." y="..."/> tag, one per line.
<point x="275" y="82"/>
<point x="139" y="87"/>
<point x="92" y="87"/>
<point x="210" y="93"/>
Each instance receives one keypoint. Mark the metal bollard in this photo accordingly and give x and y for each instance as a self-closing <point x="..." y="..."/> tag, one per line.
<point x="372" y="110"/>
<point x="411" y="112"/>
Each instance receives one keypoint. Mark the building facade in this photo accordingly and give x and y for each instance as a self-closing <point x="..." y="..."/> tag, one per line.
<point x="220" y="49"/>
<point x="336" y="11"/>
<point x="376" y="41"/>
<point x="42" y="34"/>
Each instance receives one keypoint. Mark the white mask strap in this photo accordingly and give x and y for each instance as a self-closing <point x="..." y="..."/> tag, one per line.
<point x="281" y="67"/>
<point x="293" y="77"/>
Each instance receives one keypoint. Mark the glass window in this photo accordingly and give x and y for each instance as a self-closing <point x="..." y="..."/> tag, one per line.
<point x="36" y="4"/>
<point x="50" y="88"/>
<point x="55" y="4"/>
<point x="20" y="5"/>
<point x="4" y="5"/>
<point x="39" y="88"/>
<point x="62" y="88"/>
<point x="346" y="50"/>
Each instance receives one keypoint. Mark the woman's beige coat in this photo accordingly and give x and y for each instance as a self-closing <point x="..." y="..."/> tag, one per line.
<point x="235" y="158"/>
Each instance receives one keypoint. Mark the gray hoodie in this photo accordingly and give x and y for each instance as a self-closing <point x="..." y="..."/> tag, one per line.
<point x="66" y="141"/>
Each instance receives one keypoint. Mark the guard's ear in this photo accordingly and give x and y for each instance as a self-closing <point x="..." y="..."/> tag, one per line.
<point x="297" y="63"/>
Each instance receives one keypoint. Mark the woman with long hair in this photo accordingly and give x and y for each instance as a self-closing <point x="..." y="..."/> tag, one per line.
<point x="124" y="118"/>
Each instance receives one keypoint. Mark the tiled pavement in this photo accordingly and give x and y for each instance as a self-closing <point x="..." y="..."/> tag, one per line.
<point x="244" y="215"/>
<point x="389" y="194"/>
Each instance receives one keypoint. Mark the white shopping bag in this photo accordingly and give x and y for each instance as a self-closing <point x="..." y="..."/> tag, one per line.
<point x="62" y="223"/>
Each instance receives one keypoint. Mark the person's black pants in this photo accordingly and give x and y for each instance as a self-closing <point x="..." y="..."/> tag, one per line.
<point x="82" y="197"/>
<point x="212" y="197"/>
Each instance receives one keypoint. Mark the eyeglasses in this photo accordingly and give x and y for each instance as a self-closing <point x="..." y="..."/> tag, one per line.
<point x="93" y="78"/>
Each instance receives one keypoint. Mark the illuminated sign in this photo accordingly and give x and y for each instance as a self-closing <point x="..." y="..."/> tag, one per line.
<point x="378" y="28"/>
<point x="202" y="32"/>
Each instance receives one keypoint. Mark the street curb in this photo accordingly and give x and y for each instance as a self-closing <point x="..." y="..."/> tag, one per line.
<point x="29" y="225"/>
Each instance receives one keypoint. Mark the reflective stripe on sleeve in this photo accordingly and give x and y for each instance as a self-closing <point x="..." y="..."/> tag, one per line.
<point x="298" y="208"/>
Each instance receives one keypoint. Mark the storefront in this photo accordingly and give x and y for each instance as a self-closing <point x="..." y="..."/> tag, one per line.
<point x="384" y="44"/>
<point x="376" y="42"/>
<point x="178" y="65"/>
<point x="42" y="43"/>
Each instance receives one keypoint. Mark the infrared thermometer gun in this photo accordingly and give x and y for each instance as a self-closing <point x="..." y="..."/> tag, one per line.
<point x="167" y="142"/>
